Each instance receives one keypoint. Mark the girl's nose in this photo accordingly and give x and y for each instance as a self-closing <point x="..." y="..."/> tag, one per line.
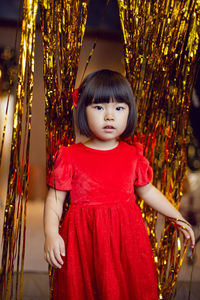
<point x="109" y="117"/>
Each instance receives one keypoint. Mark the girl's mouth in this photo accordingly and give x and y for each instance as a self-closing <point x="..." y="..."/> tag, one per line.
<point x="109" y="127"/>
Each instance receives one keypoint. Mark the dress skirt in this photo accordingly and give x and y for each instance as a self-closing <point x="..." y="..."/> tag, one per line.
<point x="108" y="255"/>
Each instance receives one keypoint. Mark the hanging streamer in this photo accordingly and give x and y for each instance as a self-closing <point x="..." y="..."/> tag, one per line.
<point x="12" y="78"/>
<point x="63" y="28"/>
<point x="161" y="40"/>
<point x="17" y="194"/>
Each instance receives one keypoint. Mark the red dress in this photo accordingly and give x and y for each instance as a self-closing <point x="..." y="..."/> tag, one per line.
<point x="108" y="252"/>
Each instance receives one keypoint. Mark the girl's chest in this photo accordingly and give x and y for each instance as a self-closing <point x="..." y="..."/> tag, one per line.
<point x="108" y="171"/>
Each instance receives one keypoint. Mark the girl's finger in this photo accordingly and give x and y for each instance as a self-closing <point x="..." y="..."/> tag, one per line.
<point x="58" y="257"/>
<point x="186" y="239"/>
<point x="192" y="238"/>
<point x="62" y="248"/>
<point x="53" y="260"/>
<point x="188" y="234"/>
<point x="47" y="257"/>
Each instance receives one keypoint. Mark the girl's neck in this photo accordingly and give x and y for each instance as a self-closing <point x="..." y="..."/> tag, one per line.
<point x="101" y="145"/>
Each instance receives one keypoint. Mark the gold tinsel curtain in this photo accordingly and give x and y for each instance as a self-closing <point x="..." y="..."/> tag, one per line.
<point x="63" y="27"/>
<point x="160" y="46"/>
<point x="14" y="229"/>
<point x="161" y="40"/>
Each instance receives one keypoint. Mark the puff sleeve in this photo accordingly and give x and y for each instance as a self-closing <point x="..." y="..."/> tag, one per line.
<point x="144" y="172"/>
<point x="60" y="177"/>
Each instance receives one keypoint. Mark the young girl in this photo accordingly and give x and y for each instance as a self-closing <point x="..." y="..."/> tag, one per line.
<point x="102" y="251"/>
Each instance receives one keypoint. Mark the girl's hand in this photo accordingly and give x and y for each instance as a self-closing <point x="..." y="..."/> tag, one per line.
<point x="187" y="231"/>
<point x="54" y="248"/>
<point x="153" y="197"/>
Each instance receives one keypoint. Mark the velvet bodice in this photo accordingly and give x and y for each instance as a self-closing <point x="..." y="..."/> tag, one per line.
<point x="97" y="176"/>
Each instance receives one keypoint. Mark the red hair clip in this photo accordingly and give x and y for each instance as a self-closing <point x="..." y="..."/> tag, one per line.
<point x="75" y="95"/>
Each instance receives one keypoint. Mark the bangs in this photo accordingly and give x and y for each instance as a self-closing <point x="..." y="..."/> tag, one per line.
<point x="103" y="89"/>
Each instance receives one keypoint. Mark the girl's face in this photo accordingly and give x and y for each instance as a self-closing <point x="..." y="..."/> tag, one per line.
<point x="107" y="121"/>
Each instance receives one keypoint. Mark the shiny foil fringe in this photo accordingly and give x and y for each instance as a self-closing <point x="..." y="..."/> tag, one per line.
<point x="166" y="38"/>
<point x="161" y="40"/>
<point x="17" y="194"/>
<point x="63" y="26"/>
<point x="5" y="124"/>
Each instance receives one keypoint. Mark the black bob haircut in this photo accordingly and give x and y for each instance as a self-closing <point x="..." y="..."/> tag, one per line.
<point x="102" y="86"/>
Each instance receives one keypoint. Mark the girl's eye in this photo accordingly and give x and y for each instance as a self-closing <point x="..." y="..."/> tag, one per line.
<point x="120" y="108"/>
<point x="98" y="107"/>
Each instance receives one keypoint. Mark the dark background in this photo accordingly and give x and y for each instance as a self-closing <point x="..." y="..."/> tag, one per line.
<point x="9" y="12"/>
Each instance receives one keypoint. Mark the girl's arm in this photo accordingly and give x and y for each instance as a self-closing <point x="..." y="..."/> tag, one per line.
<point x="54" y="245"/>
<point x="154" y="198"/>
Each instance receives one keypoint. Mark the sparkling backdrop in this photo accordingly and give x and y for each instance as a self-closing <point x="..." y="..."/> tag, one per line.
<point x="161" y="41"/>
<point x="161" y="50"/>
<point x="14" y="230"/>
<point x="63" y="28"/>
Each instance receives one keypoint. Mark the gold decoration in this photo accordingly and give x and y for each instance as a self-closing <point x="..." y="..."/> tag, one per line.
<point x="161" y="40"/>
<point x="63" y="28"/>
<point x="5" y="124"/>
<point x="17" y="193"/>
